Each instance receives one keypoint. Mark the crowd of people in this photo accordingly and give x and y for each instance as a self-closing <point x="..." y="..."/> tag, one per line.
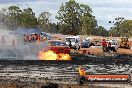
<point x="32" y="38"/>
<point x="36" y="38"/>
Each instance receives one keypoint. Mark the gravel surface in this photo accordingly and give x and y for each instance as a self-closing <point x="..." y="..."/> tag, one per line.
<point x="28" y="74"/>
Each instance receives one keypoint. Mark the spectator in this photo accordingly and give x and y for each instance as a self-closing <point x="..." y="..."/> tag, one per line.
<point x="70" y="45"/>
<point x="38" y="38"/>
<point x="25" y="38"/>
<point x="44" y="39"/>
<point x="109" y="47"/>
<point x="104" y="45"/>
<point x="34" y="37"/>
<point x="13" y="42"/>
<point x="3" y="40"/>
<point x="30" y="38"/>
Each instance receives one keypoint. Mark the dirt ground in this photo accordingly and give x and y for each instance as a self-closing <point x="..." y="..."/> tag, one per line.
<point x="98" y="51"/>
<point x="44" y="85"/>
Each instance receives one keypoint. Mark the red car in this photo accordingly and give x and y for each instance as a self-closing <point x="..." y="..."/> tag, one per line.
<point x="57" y="46"/>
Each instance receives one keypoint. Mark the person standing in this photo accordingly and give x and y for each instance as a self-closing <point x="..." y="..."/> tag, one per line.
<point x="109" y="47"/>
<point x="70" y="45"/>
<point x="13" y="43"/>
<point x="3" y="40"/>
<point x="38" y="38"/>
<point x="104" y="45"/>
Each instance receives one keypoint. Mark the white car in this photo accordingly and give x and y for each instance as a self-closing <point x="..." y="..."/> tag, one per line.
<point x="114" y="45"/>
<point x="75" y="42"/>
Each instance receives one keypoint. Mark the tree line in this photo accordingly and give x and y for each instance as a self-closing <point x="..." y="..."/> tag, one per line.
<point x="121" y="27"/>
<point x="77" y="19"/>
<point x="13" y="18"/>
<point x="73" y="19"/>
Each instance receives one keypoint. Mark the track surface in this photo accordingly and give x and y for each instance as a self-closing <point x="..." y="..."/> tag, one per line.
<point x="64" y="72"/>
<point x="55" y="71"/>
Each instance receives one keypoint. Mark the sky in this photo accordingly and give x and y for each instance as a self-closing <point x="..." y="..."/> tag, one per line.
<point x="103" y="10"/>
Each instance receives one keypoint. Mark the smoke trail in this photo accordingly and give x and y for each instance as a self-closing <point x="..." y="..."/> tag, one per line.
<point x="12" y="46"/>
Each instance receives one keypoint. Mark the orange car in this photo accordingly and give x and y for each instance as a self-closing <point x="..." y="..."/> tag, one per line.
<point x="57" y="46"/>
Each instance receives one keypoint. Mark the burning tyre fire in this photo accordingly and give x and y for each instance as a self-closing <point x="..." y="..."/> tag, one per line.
<point x="50" y="55"/>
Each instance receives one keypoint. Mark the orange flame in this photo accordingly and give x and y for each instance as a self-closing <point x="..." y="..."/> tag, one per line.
<point x="81" y="71"/>
<point x="50" y="55"/>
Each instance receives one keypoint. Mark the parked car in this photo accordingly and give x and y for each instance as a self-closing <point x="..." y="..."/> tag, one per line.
<point x="48" y="37"/>
<point x="114" y="45"/>
<point x="97" y="43"/>
<point x="43" y="34"/>
<point x="57" y="46"/>
<point x="73" y="42"/>
<point x="85" y="45"/>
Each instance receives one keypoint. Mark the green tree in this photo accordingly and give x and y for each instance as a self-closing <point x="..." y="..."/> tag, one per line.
<point x="3" y="19"/>
<point x="69" y="18"/>
<point x="88" y="22"/>
<point x="28" y="19"/>
<point x="75" y="18"/>
<point x="101" y="31"/>
<point x="43" y="21"/>
<point x="13" y="16"/>
<point x="121" y="27"/>
<point x="53" y="28"/>
<point x="126" y="28"/>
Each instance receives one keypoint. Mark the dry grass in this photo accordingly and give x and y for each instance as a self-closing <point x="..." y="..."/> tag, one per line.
<point x="97" y="51"/>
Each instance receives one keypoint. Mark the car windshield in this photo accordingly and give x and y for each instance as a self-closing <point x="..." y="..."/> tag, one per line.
<point x="70" y="39"/>
<point x="113" y="43"/>
<point x="57" y="43"/>
<point x="85" y="42"/>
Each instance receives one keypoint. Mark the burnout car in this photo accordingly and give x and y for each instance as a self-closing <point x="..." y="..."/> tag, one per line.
<point x="57" y="46"/>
